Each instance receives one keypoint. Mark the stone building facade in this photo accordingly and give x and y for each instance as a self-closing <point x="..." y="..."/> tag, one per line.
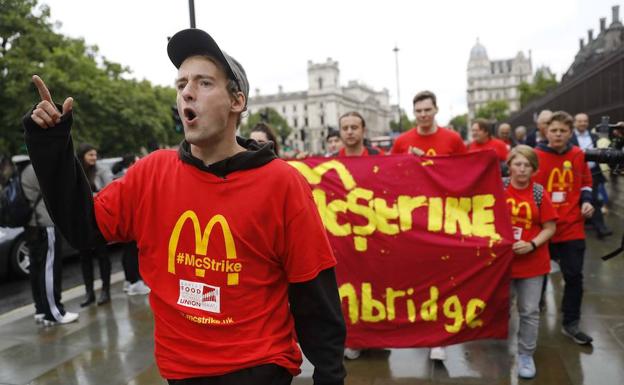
<point x="490" y="80"/>
<point x="312" y="112"/>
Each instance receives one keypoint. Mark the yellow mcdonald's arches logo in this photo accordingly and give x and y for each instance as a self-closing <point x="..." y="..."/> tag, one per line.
<point x="431" y="152"/>
<point x="561" y="179"/>
<point x="315" y="175"/>
<point x="515" y="213"/>
<point x="201" y="247"/>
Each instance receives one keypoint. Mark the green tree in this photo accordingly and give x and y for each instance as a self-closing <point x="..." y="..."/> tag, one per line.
<point x="405" y="125"/>
<point x="270" y="116"/>
<point x="494" y="110"/>
<point x="543" y="82"/>
<point x="460" y="124"/>
<point x="112" y="111"/>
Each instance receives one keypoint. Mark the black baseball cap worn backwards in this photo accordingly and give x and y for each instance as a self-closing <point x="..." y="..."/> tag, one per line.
<point x="193" y="41"/>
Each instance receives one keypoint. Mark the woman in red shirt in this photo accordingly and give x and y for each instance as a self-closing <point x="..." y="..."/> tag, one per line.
<point x="533" y="219"/>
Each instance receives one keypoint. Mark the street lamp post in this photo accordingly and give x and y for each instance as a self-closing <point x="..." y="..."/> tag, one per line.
<point x="396" y="57"/>
<point x="192" y="12"/>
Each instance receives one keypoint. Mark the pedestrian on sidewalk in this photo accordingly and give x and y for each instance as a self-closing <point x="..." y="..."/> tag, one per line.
<point x="98" y="178"/>
<point x="44" y="246"/>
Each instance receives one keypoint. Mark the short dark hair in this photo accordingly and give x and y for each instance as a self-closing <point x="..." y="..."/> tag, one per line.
<point x="484" y="125"/>
<point x="562" y="117"/>
<point x="332" y="133"/>
<point x="270" y="134"/>
<point x="422" y="95"/>
<point x="353" y="113"/>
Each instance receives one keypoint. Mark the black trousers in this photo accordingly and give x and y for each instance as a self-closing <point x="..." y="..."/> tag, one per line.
<point x="86" y="263"/>
<point x="570" y="255"/>
<point x="597" y="219"/>
<point x="130" y="262"/>
<point x="44" y="246"/>
<point x="269" y="374"/>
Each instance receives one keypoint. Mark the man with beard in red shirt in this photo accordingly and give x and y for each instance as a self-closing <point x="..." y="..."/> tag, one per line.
<point x="352" y="133"/>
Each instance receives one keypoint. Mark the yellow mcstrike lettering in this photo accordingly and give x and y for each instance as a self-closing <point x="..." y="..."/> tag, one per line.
<point x="429" y="308"/>
<point x="474" y="309"/>
<point x="347" y="291"/>
<point x="201" y="244"/>
<point x="365" y="211"/>
<point x="384" y="213"/>
<point x="483" y="216"/>
<point x="328" y="213"/>
<point x="314" y="176"/>
<point x="434" y="222"/>
<point x="372" y="310"/>
<point x="407" y="205"/>
<point x="456" y="212"/>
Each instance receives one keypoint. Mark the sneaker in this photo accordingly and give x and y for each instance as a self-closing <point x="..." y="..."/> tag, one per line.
<point x="437" y="353"/>
<point x="352" y="354"/>
<point x="576" y="334"/>
<point x="138" y="288"/>
<point x="65" y="319"/>
<point x="39" y="318"/>
<point x="526" y="366"/>
<point x="126" y="286"/>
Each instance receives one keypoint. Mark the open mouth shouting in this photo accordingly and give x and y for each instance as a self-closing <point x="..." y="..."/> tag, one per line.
<point x="190" y="116"/>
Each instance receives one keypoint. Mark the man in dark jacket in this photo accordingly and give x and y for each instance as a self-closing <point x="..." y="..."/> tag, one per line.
<point x="586" y="140"/>
<point x="227" y="306"/>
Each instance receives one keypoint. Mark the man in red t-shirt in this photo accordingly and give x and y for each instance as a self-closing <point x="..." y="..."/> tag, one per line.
<point x="564" y="174"/>
<point x="352" y="133"/>
<point x="427" y="138"/>
<point x="230" y="302"/>
<point x="482" y="140"/>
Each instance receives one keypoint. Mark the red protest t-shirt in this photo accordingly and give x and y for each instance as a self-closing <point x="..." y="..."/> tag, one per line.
<point x="495" y="144"/>
<point x="442" y="142"/>
<point x="527" y="220"/>
<point x="218" y="254"/>
<point x="365" y="152"/>
<point x="564" y="176"/>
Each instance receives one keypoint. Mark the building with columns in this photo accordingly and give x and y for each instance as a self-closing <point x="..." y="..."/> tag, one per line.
<point x="312" y="112"/>
<point x="490" y="80"/>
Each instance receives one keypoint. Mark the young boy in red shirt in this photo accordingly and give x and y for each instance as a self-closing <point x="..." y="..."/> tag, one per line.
<point x="567" y="179"/>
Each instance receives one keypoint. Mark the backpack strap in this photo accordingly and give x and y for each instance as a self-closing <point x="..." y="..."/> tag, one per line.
<point x="538" y="191"/>
<point x="538" y="194"/>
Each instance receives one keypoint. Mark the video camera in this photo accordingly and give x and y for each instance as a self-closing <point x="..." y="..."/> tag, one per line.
<point x="613" y="155"/>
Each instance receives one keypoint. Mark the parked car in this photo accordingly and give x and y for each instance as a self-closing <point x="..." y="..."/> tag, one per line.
<point x="14" y="255"/>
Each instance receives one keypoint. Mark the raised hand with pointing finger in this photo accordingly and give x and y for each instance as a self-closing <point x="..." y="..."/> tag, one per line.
<point x="46" y="114"/>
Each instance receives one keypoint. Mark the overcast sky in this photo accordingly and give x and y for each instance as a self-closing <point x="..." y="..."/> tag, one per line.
<point x="275" y="39"/>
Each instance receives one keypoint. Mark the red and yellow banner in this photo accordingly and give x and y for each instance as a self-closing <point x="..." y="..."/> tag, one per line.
<point x="423" y="246"/>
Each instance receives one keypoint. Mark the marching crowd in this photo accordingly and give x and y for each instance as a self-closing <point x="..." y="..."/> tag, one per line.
<point x="290" y="286"/>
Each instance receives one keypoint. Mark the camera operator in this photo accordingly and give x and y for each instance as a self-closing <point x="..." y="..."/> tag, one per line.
<point x="586" y="140"/>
